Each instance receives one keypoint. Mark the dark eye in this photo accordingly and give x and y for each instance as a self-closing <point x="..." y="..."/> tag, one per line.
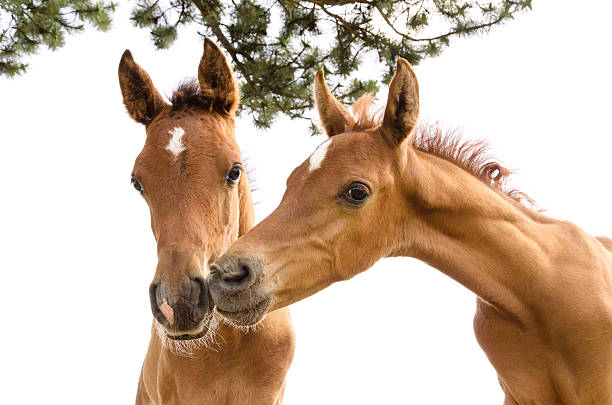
<point x="136" y="184"/>
<point x="357" y="193"/>
<point x="234" y="174"/>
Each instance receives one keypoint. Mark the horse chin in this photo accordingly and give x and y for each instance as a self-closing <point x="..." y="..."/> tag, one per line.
<point x="189" y="336"/>
<point x="246" y="317"/>
<point x="188" y="343"/>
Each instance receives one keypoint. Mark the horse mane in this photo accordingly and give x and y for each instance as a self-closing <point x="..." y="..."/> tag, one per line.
<point x="470" y="155"/>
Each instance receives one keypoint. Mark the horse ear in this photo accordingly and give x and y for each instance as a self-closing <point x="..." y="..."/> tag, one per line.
<point x="141" y="98"/>
<point x="402" y="109"/>
<point x="216" y="79"/>
<point x="334" y="117"/>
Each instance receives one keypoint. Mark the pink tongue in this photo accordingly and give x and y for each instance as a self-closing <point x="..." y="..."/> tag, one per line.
<point x="167" y="311"/>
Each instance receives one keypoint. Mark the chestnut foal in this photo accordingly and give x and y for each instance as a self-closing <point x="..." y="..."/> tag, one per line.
<point x="190" y="174"/>
<point x="377" y="189"/>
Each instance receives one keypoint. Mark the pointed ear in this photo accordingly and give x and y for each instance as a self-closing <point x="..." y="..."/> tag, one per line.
<point x="216" y="79"/>
<point x="334" y="117"/>
<point x="141" y="98"/>
<point x="402" y="109"/>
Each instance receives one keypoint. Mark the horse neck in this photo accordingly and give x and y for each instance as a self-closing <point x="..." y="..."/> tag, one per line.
<point x="472" y="233"/>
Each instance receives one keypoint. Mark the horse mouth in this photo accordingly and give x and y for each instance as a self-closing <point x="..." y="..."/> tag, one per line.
<point x="188" y="336"/>
<point x="198" y="332"/>
<point x="249" y="316"/>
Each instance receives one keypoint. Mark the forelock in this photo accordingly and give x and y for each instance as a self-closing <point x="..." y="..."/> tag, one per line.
<point x="365" y="114"/>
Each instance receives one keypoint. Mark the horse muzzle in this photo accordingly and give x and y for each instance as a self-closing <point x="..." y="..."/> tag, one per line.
<point x="235" y="288"/>
<point x="181" y="306"/>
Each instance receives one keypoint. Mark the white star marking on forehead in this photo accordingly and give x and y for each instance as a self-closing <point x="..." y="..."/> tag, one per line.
<point x="318" y="155"/>
<point x="176" y="145"/>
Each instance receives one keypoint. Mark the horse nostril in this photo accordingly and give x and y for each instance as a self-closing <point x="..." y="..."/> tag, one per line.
<point x="239" y="275"/>
<point x="155" y="306"/>
<point x="202" y="298"/>
<point x="153" y="296"/>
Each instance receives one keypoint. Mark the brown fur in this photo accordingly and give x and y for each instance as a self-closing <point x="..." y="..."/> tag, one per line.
<point x="195" y="215"/>
<point x="544" y="286"/>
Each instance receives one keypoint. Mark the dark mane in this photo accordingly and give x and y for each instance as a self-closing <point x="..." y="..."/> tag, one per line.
<point x="471" y="156"/>
<point x="187" y="94"/>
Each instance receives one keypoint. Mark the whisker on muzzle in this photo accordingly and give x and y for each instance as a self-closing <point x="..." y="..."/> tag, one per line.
<point x="188" y="348"/>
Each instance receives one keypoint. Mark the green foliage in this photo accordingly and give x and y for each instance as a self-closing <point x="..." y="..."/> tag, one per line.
<point x="276" y="46"/>
<point x="25" y="25"/>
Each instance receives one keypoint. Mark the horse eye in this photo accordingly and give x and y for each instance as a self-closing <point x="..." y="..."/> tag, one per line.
<point x="234" y="174"/>
<point x="136" y="184"/>
<point x="357" y="193"/>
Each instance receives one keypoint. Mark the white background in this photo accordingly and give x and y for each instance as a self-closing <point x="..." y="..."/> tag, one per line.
<point x="77" y="253"/>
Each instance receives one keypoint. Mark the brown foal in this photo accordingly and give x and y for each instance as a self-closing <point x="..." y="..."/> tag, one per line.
<point x="379" y="188"/>
<point x="191" y="176"/>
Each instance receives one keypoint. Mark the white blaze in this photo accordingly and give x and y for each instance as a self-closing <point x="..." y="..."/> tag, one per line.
<point x="176" y="145"/>
<point x="318" y="155"/>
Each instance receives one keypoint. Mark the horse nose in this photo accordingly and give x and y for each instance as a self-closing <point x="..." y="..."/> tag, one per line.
<point x="232" y="274"/>
<point x="180" y="308"/>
